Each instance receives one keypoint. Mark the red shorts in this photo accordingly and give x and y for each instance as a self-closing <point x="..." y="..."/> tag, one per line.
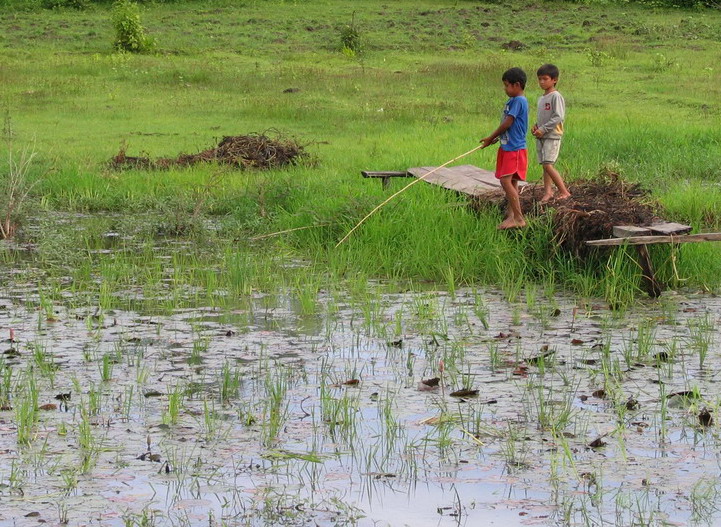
<point x="512" y="163"/>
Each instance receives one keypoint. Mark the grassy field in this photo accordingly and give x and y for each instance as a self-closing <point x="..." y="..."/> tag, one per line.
<point x="642" y="87"/>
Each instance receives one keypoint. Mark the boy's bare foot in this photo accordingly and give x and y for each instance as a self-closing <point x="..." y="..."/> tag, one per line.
<point x="510" y="223"/>
<point x="546" y="198"/>
<point x="565" y="195"/>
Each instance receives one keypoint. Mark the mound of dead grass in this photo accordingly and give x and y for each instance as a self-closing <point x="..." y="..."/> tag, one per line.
<point x="595" y="207"/>
<point x="257" y="151"/>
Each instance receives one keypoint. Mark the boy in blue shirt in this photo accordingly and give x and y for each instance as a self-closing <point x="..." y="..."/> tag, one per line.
<point x="512" y="159"/>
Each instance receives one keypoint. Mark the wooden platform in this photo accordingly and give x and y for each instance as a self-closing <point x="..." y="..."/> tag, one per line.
<point x="641" y="237"/>
<point x="466" y="179"/>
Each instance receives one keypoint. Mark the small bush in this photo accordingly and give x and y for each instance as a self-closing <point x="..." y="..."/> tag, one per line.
<point x="129" y="31"/>
<point x="15" y="187"/>
<point x="350" y="39"/>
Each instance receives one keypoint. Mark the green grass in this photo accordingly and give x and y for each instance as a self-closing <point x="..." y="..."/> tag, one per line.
<point x="641" y="86"/>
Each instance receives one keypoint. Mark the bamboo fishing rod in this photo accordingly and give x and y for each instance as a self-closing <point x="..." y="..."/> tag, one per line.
<point x="404" y="188"/>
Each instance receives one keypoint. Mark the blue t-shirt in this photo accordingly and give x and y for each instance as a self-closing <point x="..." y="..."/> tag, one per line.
<point x="515" y="137"/>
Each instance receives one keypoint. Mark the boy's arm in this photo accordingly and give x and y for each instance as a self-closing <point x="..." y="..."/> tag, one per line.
<point x="505" y="125"/>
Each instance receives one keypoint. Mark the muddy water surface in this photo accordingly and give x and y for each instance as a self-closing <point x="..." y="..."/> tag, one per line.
<point x="265" y="416"/>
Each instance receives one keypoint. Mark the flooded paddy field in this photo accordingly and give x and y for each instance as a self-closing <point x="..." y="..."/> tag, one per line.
<point x="408" y="408"/>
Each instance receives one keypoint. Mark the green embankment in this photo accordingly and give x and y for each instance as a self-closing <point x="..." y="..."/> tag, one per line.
<point x="642" y="87"/>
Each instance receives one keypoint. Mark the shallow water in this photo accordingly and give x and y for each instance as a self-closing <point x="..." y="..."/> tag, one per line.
<point x="294" y="443"/>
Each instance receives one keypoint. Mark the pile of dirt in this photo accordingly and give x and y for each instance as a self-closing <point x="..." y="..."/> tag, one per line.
<point x="256" y="150"/>
<point x="596" y="205"/>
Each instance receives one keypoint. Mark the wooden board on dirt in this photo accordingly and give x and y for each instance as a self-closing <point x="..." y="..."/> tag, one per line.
<point x="468" y="179"/>
<point x="654" y="239"/>
<point x="669" y="227"/>
<point x="624" y="231"/>
<point x="384" y="173"/>
<point x="660" y="227"/>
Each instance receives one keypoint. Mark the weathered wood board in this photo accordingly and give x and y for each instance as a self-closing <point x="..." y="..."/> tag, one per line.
<point x="624" y="231"/>
<point x="660" y="227"/>
<point x="669" y="227"/>
<point x="384" y="173"/>
<point x="468" y="179"/>
<point x="651" y="240"/>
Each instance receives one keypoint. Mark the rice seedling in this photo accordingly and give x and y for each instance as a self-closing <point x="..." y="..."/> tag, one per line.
<point x="175" y="405"/>
<point x="25" y="419"/>
<point x="44" y="362"/>
<point x="95" y="400"/>
<point x="200" y="347"/>
<point x="230" y="382"/>
<point x="701" y="339"/>
<point x="70" y="481"/>
<point x="88" y="445"/>
<point x="6" y="378"/>
<point x="704" y="501"/>
<point x="275" y="411"/>
<point x="106" y="366"/>
<point x="307" y="295"/>
<point x="514" y="456"/>
<point x="480" y="309"/>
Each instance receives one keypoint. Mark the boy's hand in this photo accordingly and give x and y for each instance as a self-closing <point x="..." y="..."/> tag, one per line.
<point x="537" y="131"/>
<point x="486" y="141"/>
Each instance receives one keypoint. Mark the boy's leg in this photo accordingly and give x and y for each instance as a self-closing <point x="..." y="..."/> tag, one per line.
<point x="547" y="186"/>
<point x="514" y="217"/>
<point x="547" y="189"/>
<point x="554" y="176"/>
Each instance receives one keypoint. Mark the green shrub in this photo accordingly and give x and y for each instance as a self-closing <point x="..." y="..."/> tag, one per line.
<point x="129" y="31"/>
<point x="350" y="39"/>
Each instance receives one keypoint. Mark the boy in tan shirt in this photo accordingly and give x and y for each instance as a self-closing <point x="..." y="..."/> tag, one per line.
<point x="549" y="131"/>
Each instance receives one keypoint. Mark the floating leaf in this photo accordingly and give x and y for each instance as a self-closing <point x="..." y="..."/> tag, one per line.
<point x="705" y="418"/>
<point x="537" y="359"/>
<point x="464" y="393"/>
<point x="599" y="394"/>
<point x="597" y="443"/>
<point x="429" y="384"/>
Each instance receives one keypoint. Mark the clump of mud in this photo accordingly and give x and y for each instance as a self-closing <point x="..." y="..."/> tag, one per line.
<point x="595" y="207"/>
<point x="256" y="150"/>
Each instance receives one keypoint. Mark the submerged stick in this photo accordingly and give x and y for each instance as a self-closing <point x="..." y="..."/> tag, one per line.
<point x="403" y="189"/>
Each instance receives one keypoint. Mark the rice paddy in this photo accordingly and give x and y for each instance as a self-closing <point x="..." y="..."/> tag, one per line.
<point x="288" y="411"/>
<point x="188" y="346"/>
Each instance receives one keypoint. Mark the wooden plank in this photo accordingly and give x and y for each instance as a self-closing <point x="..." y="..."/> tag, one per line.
<point x="650" y="240"/>
<point x="467" y="179"/>
<point x="392" y="173"/>
<point x="624" y="231"/>
<point x="667" y="227"/>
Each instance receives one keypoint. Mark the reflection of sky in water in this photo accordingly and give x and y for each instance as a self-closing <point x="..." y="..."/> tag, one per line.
<point x="380" y="458"/>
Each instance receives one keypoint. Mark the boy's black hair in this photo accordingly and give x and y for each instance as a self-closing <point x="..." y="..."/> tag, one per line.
<point x="549" y="69"/>
<point x="515" y="75"/>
